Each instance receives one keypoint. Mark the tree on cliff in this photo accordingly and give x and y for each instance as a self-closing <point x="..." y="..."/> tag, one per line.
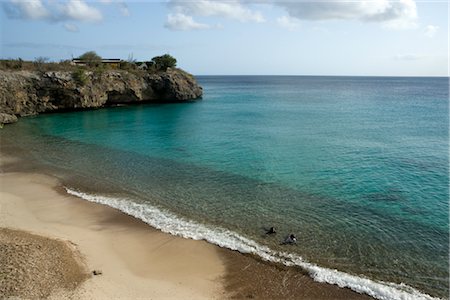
<point x="91" y="58"/>
<point x="164" y="61"/>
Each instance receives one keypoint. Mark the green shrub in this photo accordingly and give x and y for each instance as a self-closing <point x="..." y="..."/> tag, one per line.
<point x="91" y="58"/>
<point x="98" y="71"/>
<point x="15" y="64"/>
<point x="18" y="63"/>
<point x="161" y="63"/>
<point x="125" y="65"/>
<point x="80" y="77"/>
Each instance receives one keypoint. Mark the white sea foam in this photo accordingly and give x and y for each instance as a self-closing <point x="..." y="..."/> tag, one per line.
<point x="170" y="223"/>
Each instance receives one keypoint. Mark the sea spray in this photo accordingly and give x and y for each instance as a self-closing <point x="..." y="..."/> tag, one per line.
<point x="175" y="225"/>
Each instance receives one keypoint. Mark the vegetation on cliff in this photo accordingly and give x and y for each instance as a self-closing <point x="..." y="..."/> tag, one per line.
<point x="29" y="88"/>
<point x="91" y="58"/>
<point x="161" y="63"/>
<point x="91" y="61"/>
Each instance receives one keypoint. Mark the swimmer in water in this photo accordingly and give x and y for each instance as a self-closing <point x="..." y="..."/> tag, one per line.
<point x="291" y="239"/>
<point x="271" y="230"/>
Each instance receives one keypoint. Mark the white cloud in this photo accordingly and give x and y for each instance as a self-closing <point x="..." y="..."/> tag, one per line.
<point x="183" y="22"/>
<point x="231" y="9"/>
<point x="80" y="11"/>
<point x="431" y="30"/>
<point x="55" y="11"/>
<point x="393" y="14"/>
<point x="71" y="27"/>
<point x="288" y="23"/>
<point x="32" y="9"/>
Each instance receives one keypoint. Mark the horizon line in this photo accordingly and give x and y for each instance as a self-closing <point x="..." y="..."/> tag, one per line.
<point x="304" y="75"/>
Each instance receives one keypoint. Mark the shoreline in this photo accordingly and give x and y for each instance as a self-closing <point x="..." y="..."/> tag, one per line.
<point x="136" y="261"/>
<point x="122" y="246"/>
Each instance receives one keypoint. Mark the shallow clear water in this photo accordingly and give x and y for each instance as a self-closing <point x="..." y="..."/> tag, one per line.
<point x="356" y="167"/>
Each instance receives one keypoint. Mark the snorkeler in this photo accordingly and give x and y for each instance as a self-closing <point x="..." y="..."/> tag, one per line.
<point x="271" y="230"/>
<point x="291" y="239"/>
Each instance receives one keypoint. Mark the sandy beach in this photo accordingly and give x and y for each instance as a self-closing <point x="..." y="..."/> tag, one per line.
<point x="136" y="261"/>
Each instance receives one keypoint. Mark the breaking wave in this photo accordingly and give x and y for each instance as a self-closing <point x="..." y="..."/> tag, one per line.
<point x="173" y="224"/>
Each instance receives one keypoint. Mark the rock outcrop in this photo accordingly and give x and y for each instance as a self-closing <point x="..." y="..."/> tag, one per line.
<point x="25" y="93"/>
<point x="7" y="118"/>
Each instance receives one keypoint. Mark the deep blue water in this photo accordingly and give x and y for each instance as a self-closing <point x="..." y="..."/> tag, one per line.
<point x="356" y="167"/>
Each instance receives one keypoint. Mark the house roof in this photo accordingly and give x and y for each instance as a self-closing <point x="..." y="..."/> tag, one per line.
<point x="104" y="60"/>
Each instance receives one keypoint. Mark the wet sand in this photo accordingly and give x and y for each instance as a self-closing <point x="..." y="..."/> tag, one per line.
<point x="248" y="277"/>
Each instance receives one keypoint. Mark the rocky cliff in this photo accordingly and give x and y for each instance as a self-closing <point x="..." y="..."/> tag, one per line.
<point x="25" y="93"/>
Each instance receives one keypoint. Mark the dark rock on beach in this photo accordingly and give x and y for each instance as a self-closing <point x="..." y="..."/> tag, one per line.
<point x="24" y="93"/>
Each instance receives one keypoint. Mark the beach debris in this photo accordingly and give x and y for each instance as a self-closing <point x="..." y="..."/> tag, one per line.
<point x="97" y="272"/>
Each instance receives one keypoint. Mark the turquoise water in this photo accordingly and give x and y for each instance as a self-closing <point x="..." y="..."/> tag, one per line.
<point x="356" y="167"/>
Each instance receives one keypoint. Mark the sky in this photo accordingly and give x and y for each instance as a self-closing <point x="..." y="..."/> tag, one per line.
<point x="238" y="37"/>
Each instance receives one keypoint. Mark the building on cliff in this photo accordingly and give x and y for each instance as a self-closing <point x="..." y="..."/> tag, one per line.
<point x="114" y="63"/>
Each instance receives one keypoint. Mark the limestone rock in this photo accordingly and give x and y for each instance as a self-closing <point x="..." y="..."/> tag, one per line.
<point x="26" y="93"/>
<point x="175" y="86"/>
<point x="7" y="118"/>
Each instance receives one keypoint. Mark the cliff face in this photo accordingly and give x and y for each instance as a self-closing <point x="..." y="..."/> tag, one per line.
<point x="25" y="93"/>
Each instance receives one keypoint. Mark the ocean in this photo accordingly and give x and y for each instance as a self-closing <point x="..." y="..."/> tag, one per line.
<point x="356" y="167"/>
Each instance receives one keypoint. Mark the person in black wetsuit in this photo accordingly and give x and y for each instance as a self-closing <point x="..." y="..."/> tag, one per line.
<point x="271" y="230"/>
<point x="291" y="239"/>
